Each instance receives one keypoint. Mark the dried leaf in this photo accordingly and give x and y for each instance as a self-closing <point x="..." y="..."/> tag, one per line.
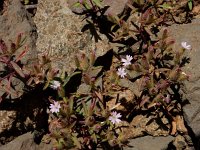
<point x="180" y="124"/>
<point x="173" y="132"/>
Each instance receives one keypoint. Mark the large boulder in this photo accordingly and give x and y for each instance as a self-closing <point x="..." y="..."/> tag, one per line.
<point x="17" y="116"/>
<point x="25" y="142"/>
<point x="63" y="34"/>
<point x="190" y="33"/>
<point x="149" y="143"/>
<point x="14" y="20"/>
<point x="115" y="7"/>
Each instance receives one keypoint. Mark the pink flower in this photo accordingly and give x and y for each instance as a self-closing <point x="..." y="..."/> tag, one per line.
<point x="114" y="118"/>
<point x="186" y="46"/>
<point x="167" y="99"/>
<point x="55" y="85"/>
<point x="55" y="107"/>
<point x="121" y="72"/>
<point x="127" y="61"/>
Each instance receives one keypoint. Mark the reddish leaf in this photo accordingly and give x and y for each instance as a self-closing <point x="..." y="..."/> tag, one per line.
<point x="22" y="54"/>
<point x="9" y="91"/>
<point x="18" y="40"/>
<point x="144" y="100"/>
<point x="17" y="69"/>
<point x="3" y="47"/>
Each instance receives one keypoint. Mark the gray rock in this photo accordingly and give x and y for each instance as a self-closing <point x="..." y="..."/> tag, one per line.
<point x="190" y="33"/>
<point x="25" y="142"/>
<point x="116" y="6"/>
<point x="60" y="34"/>
<point x="150" y="143"/>
<point x="14" y="20"/>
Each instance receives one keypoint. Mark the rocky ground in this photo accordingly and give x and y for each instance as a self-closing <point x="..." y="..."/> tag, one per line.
<point x="52" y="27"/>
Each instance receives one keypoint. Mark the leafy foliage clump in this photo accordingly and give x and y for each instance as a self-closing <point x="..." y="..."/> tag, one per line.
<point x="143" y="62"/>
<point x="13" y="72"/>
<point x="88" y="107"/>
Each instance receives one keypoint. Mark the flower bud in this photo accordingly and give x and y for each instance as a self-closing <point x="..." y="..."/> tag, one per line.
<point x="165" y="34"/>
<point x="174" y="74"/>
<point x="86" y="78"/>
<point x="149" y="54"/>
<point x="19" y="37"/>
<point x="89" y="121"/>
<point x="153" y="91"/>
<point x="92" y="58"/>
<point x="122" y="138"/>
<point x="97" y="128"/>
<point x="113" y="142"/>
<point x="183" y="76"/>
<point x="167" y="99"/>
<point x="145" y="63"/>
<point x="77" y="61"/>
<point x="84" y="62"/>
<point x="164" y="84"/>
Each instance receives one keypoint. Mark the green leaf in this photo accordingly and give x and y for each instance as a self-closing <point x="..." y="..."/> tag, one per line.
<point x="26" y="2"/>
<point x="69" y="77"/>
<point x="46" y="85"/>
<point x="84" y="89"/>
<point x="165" y="6"/>
<point x="76" y="142"/>
<point x="87" y="6"/>
<point x="98" y="3"/>
<point x="94" y="71"/>
<point x="190" y="4"/>
<point x="84" y="108"/>
<point x="71" y="105"/>
<point x="99" y="82"/>
<point x="61" y="92"/>
<point x="77" y="4"/>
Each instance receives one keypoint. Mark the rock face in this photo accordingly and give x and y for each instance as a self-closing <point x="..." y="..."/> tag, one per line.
<point x="150" y="143"/>
<point x="115" y="7"/>
<point x="14" y="20"/>
<point x="60" y="34"/>
<point x="189" y="33"/>
<point x="17" y="117"/>
<point x="25" y="142"/>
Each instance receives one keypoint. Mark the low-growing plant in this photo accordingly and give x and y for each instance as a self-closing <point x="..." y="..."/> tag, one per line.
<point x="13" y="74"/>
<point x="17" y="76"/>
<point x="88" y="110"/>
<point x="82" y="119"/>
<point x="143" y="63"/>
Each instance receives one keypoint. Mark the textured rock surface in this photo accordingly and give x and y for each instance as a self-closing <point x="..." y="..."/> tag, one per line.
<point x="116" y="6"/>
<point x="20" y="116"/>
<point x="190" y="33"/>
<point x="59" y="33"/>
<point x="25" y="142"/>
<point x="150" y="143"/>
<point x="142" y="125"/>
<point x="15" y="19"/>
